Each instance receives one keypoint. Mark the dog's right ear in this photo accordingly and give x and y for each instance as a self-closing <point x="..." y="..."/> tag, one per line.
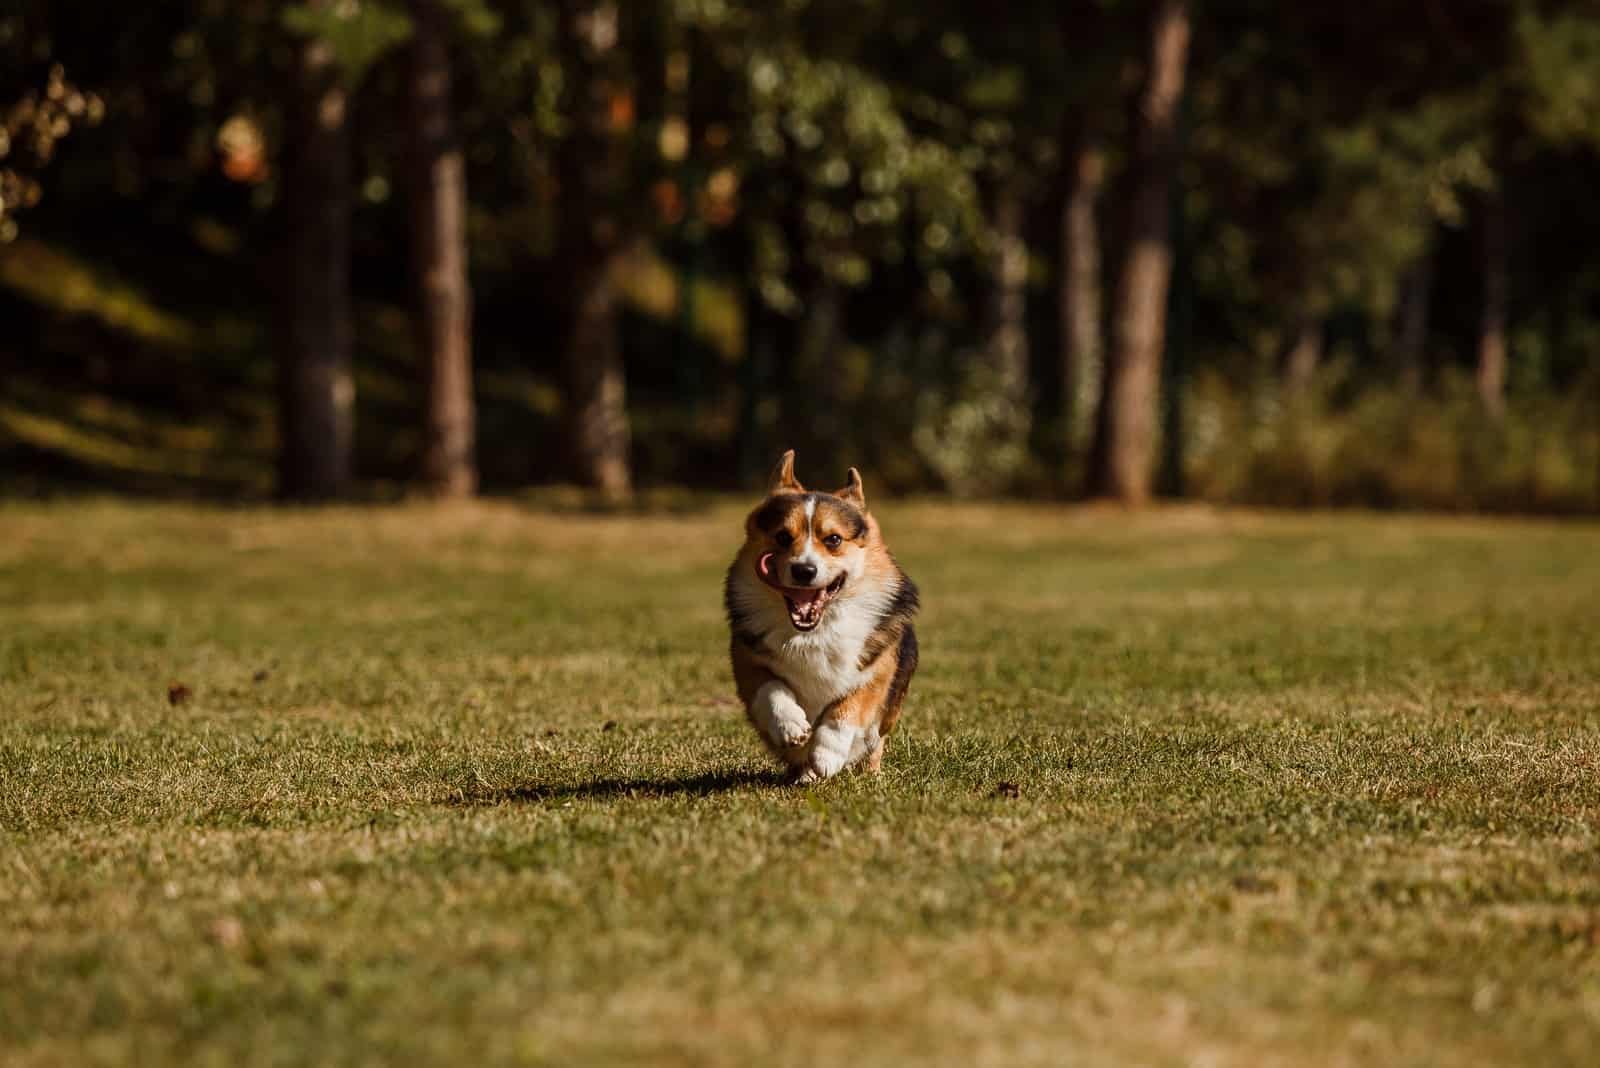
<point x="783" y="480"/>
<point x="852" y="491"/>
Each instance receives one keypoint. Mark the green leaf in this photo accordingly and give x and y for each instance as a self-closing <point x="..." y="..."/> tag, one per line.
<point x="360" y="33"/>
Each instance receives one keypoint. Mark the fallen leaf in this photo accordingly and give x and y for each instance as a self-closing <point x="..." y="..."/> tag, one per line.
<point x="178" y="693"/>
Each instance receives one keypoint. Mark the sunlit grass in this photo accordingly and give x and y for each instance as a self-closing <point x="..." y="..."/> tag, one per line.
<point x="468" y="784"/>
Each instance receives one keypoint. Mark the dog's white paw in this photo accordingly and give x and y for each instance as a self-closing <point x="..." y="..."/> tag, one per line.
<point x="792" y="734"/>
<point x="806" y="776"/>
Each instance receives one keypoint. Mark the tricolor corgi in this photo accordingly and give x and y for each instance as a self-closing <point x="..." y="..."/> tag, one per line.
<point x="823" y="649"/>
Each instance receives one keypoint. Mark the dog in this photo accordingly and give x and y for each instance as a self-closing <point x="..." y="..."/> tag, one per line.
<point x="822" y="643"/>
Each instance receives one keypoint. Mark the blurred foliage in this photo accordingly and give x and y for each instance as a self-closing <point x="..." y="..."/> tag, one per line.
<point x="29" y="131"/>
<point x="358" y="32"/>
<point x="1560" y="61"/>
<point x="1387" y="450"/>
<point x="813" y="187"/>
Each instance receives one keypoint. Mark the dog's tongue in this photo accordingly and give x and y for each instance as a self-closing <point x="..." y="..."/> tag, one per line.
<point x="805" y="596"/>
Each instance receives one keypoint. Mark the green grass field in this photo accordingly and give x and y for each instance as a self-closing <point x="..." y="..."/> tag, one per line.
<point x="468" y="786"/>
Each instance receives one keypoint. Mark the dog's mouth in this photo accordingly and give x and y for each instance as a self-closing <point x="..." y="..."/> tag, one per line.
<point x="806" y="603"/>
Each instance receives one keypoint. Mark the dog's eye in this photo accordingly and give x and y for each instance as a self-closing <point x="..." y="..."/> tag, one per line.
<point x="783" y="538"/>
<point x="832" y="541"/>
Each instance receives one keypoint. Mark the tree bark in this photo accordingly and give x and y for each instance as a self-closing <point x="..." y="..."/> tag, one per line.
<point x="597" y="387"/>
<point x="316" y="394"/>
<point x="1303" y="356"/>
<point x="443" y="296"/>
<point x="1081" y="325"/>
<point x="590" y="171"/>
<point x="1126" y="425"/>
<point x="1008" y="331"/>
<point x="1496" y="297"/>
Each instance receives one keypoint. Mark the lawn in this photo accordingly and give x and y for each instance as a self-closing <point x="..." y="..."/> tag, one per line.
<point x="468" y="786"/>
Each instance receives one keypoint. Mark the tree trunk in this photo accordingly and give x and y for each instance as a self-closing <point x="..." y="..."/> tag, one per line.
<point x="1303" y="356"/>
<point x="1125" y="444"/>
<point x="816" y="350"/>
<point x="1008" y="331"/>
<point x="1081" y="327"/>
<point x="1496" y="296"/>
<point x="597" y="387"/>
<point x="316" y="392"/>
<point x="443" y="297"/>
<point x="590" y="168"/>
<point x="1415" y="304"/>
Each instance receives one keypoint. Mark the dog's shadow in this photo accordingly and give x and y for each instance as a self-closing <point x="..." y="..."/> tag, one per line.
<point x="702" y="785"/>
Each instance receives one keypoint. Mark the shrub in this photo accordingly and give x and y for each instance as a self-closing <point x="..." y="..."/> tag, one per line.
<point x="1330" y="446"/>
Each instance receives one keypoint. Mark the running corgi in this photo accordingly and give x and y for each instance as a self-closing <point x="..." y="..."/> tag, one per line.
<point x="823" y="649"/>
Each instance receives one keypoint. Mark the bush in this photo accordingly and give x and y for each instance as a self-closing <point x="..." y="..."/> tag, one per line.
<point x="1390" y="448"/>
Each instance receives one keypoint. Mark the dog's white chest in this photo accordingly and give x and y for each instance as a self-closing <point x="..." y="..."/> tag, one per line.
<point x="822" y="666"/>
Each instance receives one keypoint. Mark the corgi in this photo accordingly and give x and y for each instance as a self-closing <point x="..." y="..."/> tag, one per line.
<point x="822" y="644"/>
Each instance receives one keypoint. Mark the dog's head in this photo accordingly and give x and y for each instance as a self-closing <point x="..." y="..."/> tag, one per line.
<point x="810" y="547"/>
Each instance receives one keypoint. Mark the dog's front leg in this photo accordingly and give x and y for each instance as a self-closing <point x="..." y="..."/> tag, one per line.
<point x="779" y="717"/>
<point x="833" y="744"/>
<point x="847" y="731"/>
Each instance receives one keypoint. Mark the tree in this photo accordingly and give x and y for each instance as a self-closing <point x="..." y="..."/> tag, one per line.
<point x="443" y="298"/>
<point x="1491" y="372"/>
<point x="316" y="390"/>
<point x="1125" y="441"/>
<point x="1008" y="327"/>
<point x="1081" y="326"/>
<point x="593" y="237"/>
<point x="1092" y="50"/>
<point x="1303" y="356"/>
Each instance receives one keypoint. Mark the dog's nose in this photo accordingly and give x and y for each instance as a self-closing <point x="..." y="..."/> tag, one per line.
<point x="803" y="572"/>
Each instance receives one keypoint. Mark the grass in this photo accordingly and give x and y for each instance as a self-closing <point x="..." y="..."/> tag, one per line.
<point x="467" y="785"/>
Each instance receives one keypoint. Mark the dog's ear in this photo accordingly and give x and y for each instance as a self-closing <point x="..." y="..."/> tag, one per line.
<point x="852" y="491"/>
<point x="783" y="480"/>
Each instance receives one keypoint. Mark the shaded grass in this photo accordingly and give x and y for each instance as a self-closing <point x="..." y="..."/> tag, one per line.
<point x="469" y="783"/>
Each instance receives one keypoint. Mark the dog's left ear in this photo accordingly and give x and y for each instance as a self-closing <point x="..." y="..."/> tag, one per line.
<point x="852" y="491"/>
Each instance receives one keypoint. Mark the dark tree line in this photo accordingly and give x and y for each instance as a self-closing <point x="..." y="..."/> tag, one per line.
<point x="1038" y="247"/>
